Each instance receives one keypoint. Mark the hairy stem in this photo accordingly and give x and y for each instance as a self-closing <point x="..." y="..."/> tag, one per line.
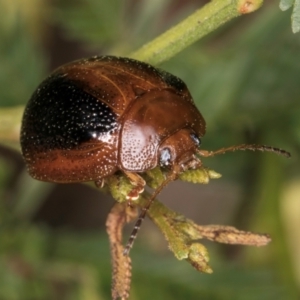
<point x="194" y="27"/>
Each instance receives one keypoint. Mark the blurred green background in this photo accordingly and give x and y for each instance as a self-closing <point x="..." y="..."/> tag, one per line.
<point x="245" y="79"/>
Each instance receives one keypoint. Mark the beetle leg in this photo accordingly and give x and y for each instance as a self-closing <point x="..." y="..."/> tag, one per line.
<point x="100" y="183"/>
<point x="139" y="185"/>
<point x="171" y="177"/>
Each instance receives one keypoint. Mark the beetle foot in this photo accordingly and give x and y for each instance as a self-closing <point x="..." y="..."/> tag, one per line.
<point x="100" y="183"/>
<point x="138" y="186"/>
<point x="135" y="193"/>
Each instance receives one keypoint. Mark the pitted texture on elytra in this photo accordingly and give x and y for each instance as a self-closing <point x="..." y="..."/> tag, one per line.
<point x="61" y="115"/>
<point x="142" y="69"/>
<point x="94" y="117"/>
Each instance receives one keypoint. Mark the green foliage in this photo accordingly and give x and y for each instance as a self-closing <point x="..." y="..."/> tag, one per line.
<point x="78" y="268"/>
<point x="243" y="77"/>
<point x="90" y="20"/>
<point x="106" y="25"/>
<point x="286" y="4"/>
<point x="22" y="63"/>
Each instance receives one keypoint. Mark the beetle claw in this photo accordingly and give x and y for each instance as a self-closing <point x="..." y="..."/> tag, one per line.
<point x="139" y="184"/>
<point x="135" y="193"/>
<point x="100" y="183"/>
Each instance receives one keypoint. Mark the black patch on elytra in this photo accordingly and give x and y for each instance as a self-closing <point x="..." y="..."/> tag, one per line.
<point x="61" y="115"/>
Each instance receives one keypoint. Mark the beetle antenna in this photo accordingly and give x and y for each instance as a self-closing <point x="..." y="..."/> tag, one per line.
<point x="143" y="213"/>
<point x="252" y="147"/>
<point x="173" y="176"/>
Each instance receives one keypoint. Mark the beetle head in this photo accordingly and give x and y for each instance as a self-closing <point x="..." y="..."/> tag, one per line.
<point x="178" y="151"/>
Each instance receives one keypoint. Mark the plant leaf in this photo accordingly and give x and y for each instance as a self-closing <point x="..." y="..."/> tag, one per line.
<point x="286" y="4"/>
<point x="296" y="17"/>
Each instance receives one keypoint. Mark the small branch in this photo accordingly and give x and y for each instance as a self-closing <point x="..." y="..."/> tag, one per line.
<point x="190" y="30"/>
<point x="175" y="227"/>
<point x="183" y="235"/>
<point x="230" y="235"/>
<point x="119" y="215"/>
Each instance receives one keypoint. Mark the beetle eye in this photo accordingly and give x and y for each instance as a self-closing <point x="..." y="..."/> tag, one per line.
<point x="196" y="139"/>
<point x="165" y="157"/>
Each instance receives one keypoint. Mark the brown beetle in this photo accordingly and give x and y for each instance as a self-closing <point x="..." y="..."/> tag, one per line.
<point x="94" y="117"/>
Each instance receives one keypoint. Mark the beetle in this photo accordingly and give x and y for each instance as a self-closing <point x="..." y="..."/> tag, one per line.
<point x="96" y="116"/>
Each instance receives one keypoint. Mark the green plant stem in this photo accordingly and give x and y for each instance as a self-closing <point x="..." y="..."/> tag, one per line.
<point x="197" y="25"/>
